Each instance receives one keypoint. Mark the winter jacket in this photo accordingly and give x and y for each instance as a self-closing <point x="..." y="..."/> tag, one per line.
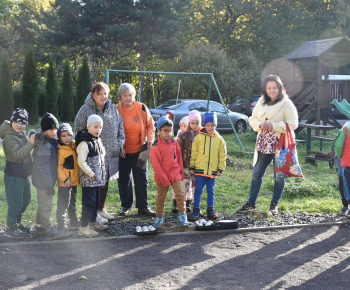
<point x="166" y="159"/>
<point x="208" y="154"/>
<point x="91" y="156"/>
<point x="67" y="164"/>
<point x="45" y="161"/>
<point x="277" y="114"/>
<point x="146" y="120"/>
<point x="342" y="145"/>
<point x="17" y="151"/>
<point x="112" y="135"/>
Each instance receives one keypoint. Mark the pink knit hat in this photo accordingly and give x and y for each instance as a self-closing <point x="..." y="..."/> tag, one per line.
<point x="194" y="116"/>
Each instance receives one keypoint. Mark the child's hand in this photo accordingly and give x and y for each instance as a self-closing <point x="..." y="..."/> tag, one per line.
<point x="122" y="153"/>
<point x="149" y="144"/>
<point x="31" y="139"/>
<point x="192" y="172"/>
<point x="218" y="173"/>
<point x="93" y="178"/>
<point x="68" y="183"/>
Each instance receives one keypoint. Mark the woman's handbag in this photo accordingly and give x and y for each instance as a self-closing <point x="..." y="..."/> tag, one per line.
<point x="286" y="157"/>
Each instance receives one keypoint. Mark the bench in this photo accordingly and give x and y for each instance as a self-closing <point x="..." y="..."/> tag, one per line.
<point x="322" y="139"/>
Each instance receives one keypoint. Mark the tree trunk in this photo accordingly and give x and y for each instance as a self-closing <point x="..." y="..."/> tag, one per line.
<point x="142" y="68"/>
<point x="92" y="66"/>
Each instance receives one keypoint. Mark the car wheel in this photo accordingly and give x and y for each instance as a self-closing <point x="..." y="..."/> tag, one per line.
<point x="244" y="112"/>
<point x="240" y="126"/>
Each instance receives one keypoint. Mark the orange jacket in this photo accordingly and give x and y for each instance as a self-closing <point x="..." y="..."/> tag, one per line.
<point x="67" y="164"/>
<point x="146" y="120"/>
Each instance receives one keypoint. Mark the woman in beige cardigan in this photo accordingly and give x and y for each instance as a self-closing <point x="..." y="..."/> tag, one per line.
<point x="271" y="112"/>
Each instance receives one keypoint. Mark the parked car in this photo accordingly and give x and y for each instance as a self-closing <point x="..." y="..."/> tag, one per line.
<point x="244" y="105"/>
<point x="176" y="111"/>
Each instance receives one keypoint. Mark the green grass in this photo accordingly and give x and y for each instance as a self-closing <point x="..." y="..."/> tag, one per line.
<point x="317" y="192"/>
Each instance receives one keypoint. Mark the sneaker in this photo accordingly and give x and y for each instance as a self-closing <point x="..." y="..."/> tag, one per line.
<point x="106" y="215"/>
<point x="54" y="234"/>
<point x="211" y="213"/>
<point x="195" y="214"/>
<point x="183" y="219"/>
<point x="14" y="233"/>
<point x="87" y="232"/>
<point x="100" y="219"/>
<point x="344" y="211"/>
<point x="174" y="209"/>
<point x="273" y="210"/>
<point x="247" y="207"/>
<point x="159" y="220"/>
<point x="97" y="226"/>
<point x="74" y="226"/>
<point x="23" y="228"/>
<point x="188" y="206"/>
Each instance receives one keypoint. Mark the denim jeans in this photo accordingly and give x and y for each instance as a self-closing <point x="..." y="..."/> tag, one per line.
<point x="89" y="201"/>
<point x="258" y="172"/>
<point x="201" y="181"/>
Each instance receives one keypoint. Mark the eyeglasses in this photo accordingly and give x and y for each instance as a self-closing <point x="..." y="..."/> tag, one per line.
<point x="19" y="124"/>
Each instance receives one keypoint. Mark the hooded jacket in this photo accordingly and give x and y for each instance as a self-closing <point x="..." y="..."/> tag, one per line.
<point x="185" y="140"/>
<point x="208" y="154"/>
<point x="67" y="164"/>
<point x="17" y="151"/>
<point x="45" y="160"/>
<point x="112" y="135"/>
<point x="166" y="159"/>
<point x="91" y="156"/>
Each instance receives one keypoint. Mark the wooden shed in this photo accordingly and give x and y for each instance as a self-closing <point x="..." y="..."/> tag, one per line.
<point x="317" y="95"/>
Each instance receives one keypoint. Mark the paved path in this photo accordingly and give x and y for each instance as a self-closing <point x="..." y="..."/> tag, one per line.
<point x="299" y="258"/>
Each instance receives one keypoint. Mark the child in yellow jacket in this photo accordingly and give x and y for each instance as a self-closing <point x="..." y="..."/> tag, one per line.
<point x="68" y="178"/>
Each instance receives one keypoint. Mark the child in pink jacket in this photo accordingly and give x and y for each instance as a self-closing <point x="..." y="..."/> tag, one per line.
<point x="166" y="159"/>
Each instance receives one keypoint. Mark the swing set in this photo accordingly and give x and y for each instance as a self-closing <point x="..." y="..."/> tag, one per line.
<point x="210" y="76"/>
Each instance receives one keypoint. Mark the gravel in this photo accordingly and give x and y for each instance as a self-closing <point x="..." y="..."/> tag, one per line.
<point x="123" y="226"/>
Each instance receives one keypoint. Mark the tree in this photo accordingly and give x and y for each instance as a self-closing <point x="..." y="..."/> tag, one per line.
<point x="83" y="83"/>
<point x="29" y="97"/>
<point x="6" y="95"/>
<point x="67" y="103"/>
<point x="51" y="99"/>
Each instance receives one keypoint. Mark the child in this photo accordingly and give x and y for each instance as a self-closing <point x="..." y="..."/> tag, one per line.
<point x="344" y="211"/>
<point x="208" y="160"/>
<point x="185" y="140"/>
<point x="342" y="150"/>
<point x="68" y="178"/>
<point x="183" y="126"/>
<point x="91" y="151"/>
<point x="166" y="159"/>
<point x="17" y="170"/>
<point x="45" y="161"/>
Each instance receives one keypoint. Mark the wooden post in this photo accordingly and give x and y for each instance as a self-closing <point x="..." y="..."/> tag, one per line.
<point x="319" y="95"/>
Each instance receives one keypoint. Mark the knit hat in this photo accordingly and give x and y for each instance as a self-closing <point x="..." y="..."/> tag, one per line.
<point x="64" y="127"/>
<point x="48" y="121"/>
<point x="164" y="121"/>
<point x="93" y="119"/>
<point x="194" y="115"/>
<point x="184" y="120"/>
<point x="210" y="117"/>
<point x="19" y="115"/>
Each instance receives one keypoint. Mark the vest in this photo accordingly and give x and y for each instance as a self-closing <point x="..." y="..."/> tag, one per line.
<point x="345" y="159"/>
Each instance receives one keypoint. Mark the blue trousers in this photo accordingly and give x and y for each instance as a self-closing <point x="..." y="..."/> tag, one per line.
<point x="346" y="179"/>
<point x="258" y="173"/>
<point x="200" y="182"/>
<point x="18" y="195"/>
<point x="90" y="201"/>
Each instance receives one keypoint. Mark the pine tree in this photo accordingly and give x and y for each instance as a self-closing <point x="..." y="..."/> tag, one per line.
<point x="83" y="83"/>
<point x="51" y="99"/>
<point x="6" y="95"/>
<point x="29" y="97"/>
<point x="67" y="105"/>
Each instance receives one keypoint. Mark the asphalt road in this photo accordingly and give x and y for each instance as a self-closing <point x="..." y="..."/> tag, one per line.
<point x="312" y="257"/>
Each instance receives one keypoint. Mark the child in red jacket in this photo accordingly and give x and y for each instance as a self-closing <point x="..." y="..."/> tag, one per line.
<point x="166" y="159"/>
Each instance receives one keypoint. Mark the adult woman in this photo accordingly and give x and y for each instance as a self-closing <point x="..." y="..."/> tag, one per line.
<point x="139" y="127"/>
<point x="271" y="112"/>
<point x="112" y="135"/>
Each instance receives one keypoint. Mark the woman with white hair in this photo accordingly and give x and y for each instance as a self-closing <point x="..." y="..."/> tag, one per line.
<point x="138" y="127"/>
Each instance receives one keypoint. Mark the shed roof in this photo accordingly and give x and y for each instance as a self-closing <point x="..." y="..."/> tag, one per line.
<point x="332" y="49"/>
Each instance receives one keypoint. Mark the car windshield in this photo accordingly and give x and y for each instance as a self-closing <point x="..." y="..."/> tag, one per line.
<point x="217" y="107"/>
<point x="171" y="105"/>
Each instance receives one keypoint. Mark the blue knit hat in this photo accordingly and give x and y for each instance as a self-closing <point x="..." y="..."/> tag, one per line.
<point x="164" y="120"/>
<point x="210" y="117"/>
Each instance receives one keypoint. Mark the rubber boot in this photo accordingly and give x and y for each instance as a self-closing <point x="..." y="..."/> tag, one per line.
<point x="195" y="214"/>
<point x="188" y="206"/>
<point x="174" y="210"/>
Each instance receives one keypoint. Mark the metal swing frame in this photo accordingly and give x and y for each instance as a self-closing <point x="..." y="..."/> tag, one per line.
<point x="211" y="81"/>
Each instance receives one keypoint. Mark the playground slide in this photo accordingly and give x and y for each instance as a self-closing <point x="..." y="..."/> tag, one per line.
<point x="343" y="107"/>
